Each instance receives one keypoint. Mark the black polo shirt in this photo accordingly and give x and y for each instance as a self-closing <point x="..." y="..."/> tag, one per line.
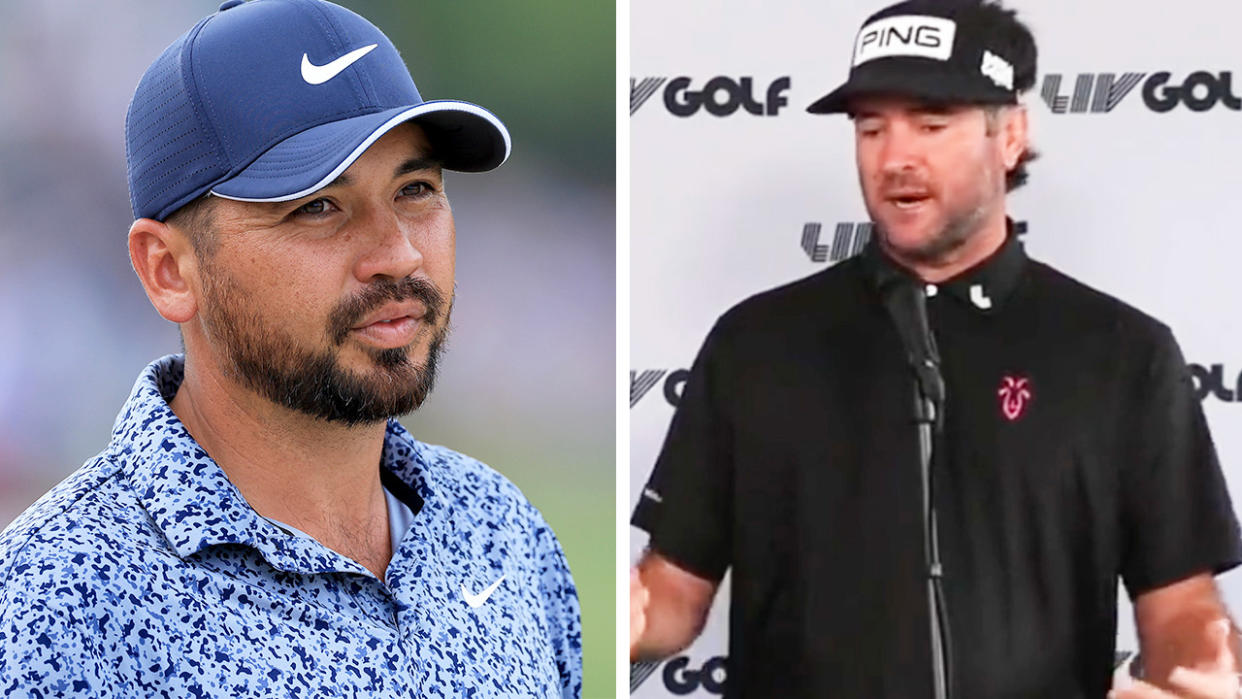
<point x="1073" y="452"/>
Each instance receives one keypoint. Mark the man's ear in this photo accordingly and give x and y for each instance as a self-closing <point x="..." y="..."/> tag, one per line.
<point x="165" y="263"/>
<point x="1015" y="136"/>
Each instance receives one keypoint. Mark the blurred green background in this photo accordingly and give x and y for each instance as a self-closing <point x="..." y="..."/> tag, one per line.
<point x="527" y="382"/>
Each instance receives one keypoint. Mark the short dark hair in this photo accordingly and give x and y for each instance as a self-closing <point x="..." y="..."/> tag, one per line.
<point x="198" y="220"/>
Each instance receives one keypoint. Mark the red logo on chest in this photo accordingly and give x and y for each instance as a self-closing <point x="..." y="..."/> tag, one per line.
<point x="1014" y="394"/>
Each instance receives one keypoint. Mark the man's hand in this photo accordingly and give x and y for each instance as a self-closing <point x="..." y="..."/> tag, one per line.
<point x="639" y="597"/>
<point x="668" y="607"/>
<point x="1217" y="679"/>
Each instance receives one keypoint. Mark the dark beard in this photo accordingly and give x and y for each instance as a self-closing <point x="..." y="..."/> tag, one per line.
<point x="314" y="383"/>
<point x="953" y="236"/>
<point x="956" y="232"/>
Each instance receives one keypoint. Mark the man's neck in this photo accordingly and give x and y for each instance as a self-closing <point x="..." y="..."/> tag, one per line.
<point x="978" y="247"/>
<point x="317" y="476"/>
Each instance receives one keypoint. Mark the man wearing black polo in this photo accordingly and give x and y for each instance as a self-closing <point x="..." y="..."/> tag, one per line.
<point x="1069" y="451"/>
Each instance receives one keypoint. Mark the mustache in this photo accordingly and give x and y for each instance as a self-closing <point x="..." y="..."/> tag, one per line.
<point x="903" y="180"/>
<point x="351" y="310"/>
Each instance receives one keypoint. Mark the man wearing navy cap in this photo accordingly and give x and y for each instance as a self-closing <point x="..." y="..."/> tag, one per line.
<point x="1063" y="447"/>
<point x="260" y="524"/>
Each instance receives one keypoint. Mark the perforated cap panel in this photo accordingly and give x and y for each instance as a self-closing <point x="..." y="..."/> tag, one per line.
<point x="170" y="152"/>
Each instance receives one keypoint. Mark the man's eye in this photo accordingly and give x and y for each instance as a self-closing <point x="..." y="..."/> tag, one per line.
<point x="317" y="206"/>
<point x="416" y="189"/>
<point x="933" y="127"/>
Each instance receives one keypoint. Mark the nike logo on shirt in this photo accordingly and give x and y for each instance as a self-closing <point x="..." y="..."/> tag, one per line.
<point x="477" y="601"/>
<point x="316" y="75"/>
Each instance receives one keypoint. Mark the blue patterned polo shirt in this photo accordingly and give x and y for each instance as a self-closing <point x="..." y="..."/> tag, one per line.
<point x="146" y="574"/>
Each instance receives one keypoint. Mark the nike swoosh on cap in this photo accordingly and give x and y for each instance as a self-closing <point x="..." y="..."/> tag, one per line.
<point x="316" y="75"/>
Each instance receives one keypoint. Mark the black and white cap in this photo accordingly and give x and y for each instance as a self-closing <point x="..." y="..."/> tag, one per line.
<point x="946" y="51"/>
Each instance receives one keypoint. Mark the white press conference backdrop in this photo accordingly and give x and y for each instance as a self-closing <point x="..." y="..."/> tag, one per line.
<point x="735" y="188"/>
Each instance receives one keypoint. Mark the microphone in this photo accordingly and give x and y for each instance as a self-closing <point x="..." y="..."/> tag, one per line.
<point x="907" y="306"/>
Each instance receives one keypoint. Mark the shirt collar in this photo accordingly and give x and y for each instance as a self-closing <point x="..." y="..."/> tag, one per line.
<point x="984" y="287"/>
<point x="193" y="503"/>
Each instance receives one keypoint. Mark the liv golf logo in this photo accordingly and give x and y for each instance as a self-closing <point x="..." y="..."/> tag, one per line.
<point x="849" y="239"/>
<point x="641" y="382"/>
<point x="720" y="96"/>
<point x="1100" y="93"/>
<point x="1212" y="380"/>
<point x="682" y="677"/>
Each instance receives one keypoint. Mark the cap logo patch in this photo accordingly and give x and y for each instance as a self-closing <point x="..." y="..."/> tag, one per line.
<point x="905" y="35"/>
<point x="998" y="69"/>
<point x="1014" y="394"/>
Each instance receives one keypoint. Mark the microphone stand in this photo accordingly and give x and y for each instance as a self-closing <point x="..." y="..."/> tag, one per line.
<point x="907" y="306"/>
<point x="929" y="394"/>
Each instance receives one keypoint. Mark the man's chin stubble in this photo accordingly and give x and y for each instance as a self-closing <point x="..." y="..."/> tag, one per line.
<point x="322" y="388"/>
<point x="319" y="385"/>
<point x="316" y="383"/>
<point x="951" y="237"/>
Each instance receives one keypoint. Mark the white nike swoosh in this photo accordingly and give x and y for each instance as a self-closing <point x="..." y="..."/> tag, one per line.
<point x="477" y="601"/>
<point x="316" y="75"/>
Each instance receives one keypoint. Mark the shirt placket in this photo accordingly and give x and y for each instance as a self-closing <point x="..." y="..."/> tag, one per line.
<point x="421" y="594"/>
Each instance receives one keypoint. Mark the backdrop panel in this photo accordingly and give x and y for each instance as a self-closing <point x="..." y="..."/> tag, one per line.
<point x="735" y="189"/>
<point x="527" y="382"/>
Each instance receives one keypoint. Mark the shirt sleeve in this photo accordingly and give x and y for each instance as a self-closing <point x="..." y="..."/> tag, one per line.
<point x="687" y="504"/>
<point x="45" y="654"/>
<point x="1177" y="515"/>
<point x="561" y="606"/>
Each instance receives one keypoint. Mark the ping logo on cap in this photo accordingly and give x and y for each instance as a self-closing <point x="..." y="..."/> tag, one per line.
<point x="905" y="35"/>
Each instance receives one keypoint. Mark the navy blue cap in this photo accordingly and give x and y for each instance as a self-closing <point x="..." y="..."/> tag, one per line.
<point x="271" y="100"/>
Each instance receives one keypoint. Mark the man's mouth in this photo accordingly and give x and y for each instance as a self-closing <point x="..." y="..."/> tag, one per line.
<point x="389" y="333"/>
<point x="393" y="325"/>
<point x="908" y="201"/>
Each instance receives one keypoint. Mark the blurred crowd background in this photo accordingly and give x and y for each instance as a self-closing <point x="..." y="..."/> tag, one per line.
<point x="527" y="383"/>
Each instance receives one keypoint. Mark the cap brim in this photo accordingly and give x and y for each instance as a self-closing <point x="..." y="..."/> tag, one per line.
<point x="915" y="81"/>
<point x="834" y="102"/>
<point x="464" y="137"/>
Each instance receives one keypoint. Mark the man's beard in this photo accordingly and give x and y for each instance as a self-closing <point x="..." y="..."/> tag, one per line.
<point x="959" y="228"/>
<point x="313" y="382"/>
<point x="956" y="231"/>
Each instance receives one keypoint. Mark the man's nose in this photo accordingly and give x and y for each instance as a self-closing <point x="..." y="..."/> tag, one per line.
<point x="900" y="151"/>
<point x="391" y="250"/>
